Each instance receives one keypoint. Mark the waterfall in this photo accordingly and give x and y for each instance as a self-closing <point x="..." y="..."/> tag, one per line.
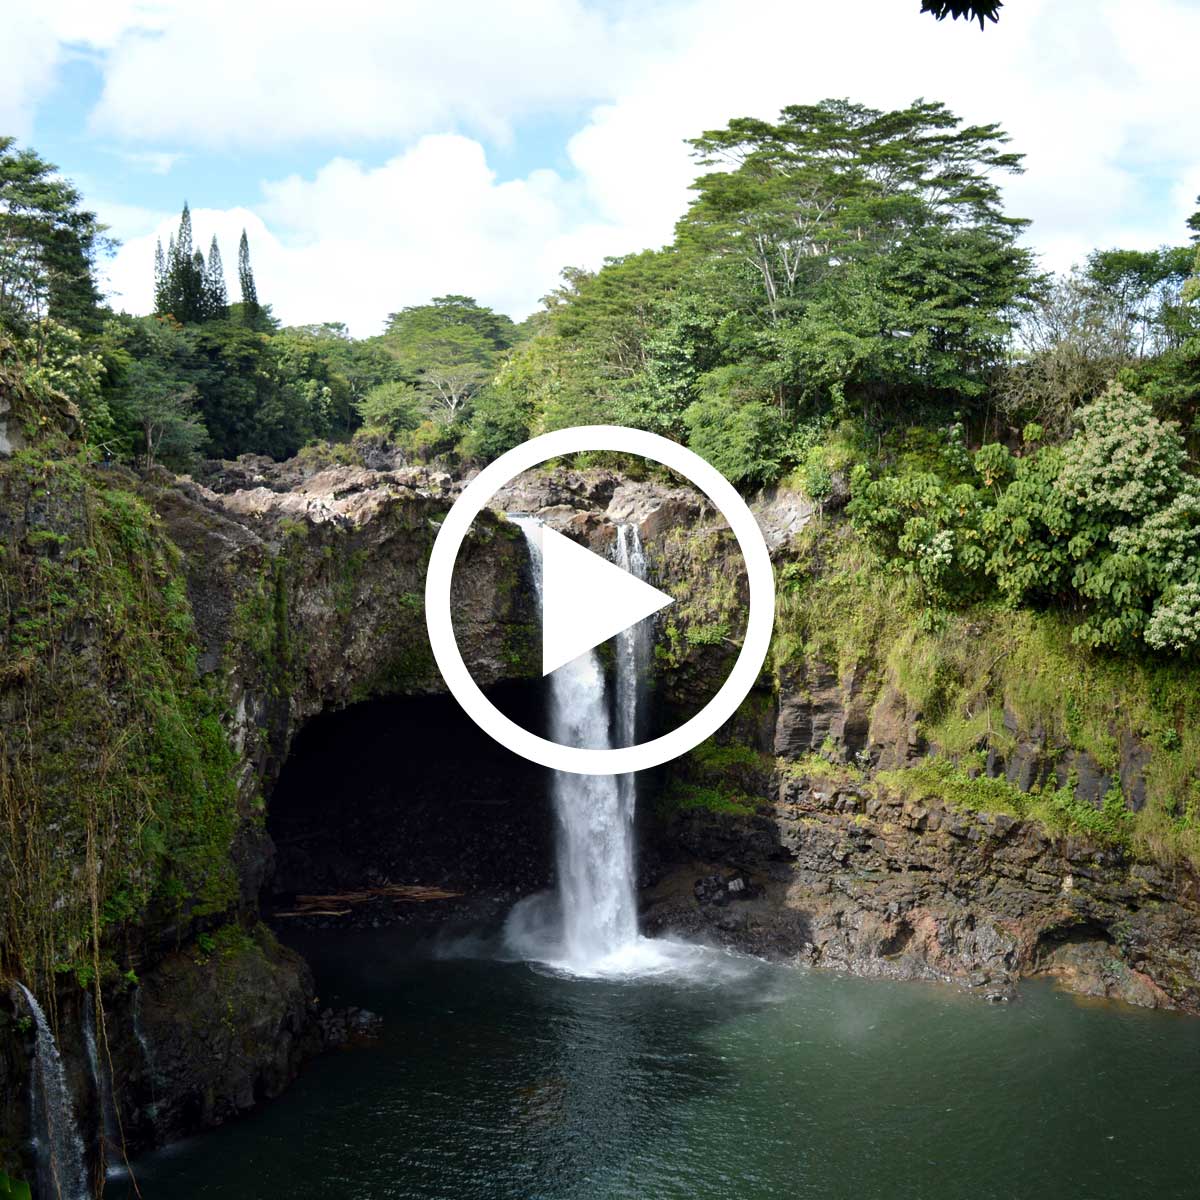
<point x="60" y="1152"/>
<point x="634" y="647"/>
<point x="596" y="915"/>
<point x="100" y="1079"/>
<point x="148" y="1058"/>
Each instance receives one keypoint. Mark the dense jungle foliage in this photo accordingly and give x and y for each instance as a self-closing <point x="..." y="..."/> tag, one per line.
<point x="845" y="298"/>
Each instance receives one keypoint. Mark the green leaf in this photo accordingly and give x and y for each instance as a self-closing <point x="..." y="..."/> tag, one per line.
<point x="13" y="1189"/>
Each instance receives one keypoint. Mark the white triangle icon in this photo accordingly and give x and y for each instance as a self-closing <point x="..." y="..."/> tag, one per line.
<point x="586" y="600"/>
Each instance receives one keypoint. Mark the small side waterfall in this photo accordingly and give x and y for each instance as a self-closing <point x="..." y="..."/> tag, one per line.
<point x="101" y="1081"/>
<point x="60" y="1150"/>
<point x="596" y="907"/>
<point x="148" y="1058"/>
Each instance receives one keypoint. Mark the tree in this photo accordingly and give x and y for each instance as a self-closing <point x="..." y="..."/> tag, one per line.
<point x="181" y="278"/>
<point x="445" y="311"/>
<point x="879" y="243"/>
<point x="48" y="246"/>
<point x="970" y="10"/>
<point x="1073" y="341"/>
<point x="447" y="349"/>
<point x="246" y="278"/>
<point x="1147" y="286"/>
<point x="58" y="363"/>
<point x="735" y="426"/>
<point x="391" y="408"/>
<point x="454" y="363"/>
<point x="216" y="300"/>
<point x="171" y="430"/>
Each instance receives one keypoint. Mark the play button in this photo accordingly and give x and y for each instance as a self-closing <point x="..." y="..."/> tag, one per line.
<point x="586" y="600"/>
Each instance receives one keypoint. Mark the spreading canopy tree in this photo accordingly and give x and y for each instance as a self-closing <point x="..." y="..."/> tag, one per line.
<point x="878" y="239"/>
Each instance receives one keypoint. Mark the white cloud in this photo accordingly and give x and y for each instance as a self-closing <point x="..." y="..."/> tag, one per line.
<point x="29" y="58"/>
<point x="156" y="162"/>
<point x="1099" y="95"/>
<point x="38" y="38"/>
<point x="226" y="73"/>
<point x="353" y="244"/>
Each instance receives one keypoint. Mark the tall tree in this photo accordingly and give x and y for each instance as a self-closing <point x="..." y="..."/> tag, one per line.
<point x="216" y="300"/>
<point x="448" y="350"/>
<point x="246" y="278"/>
<point x="182" y="293"/>
<point x="48" y="245"/>
<point x="161" y="302"/>
<point x="879" y="242"/>
<point x="444" y="311"/>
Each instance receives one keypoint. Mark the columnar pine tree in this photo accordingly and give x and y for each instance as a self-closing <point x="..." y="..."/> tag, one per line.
<point x="160" y="278"/>
<point x="246" y="278"/>
<point x="216" y="301"/>
<point x="185" y="287"/>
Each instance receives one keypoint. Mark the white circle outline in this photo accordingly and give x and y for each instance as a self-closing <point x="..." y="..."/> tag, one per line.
<point x="573" y="759"/>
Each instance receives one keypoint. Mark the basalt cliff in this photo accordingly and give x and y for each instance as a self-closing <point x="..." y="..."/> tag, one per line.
<point x="202" y="676"/>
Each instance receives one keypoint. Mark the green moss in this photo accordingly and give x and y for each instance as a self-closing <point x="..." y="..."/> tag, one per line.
<point x="708" y="610"/>
<point x="818" y="767"/>
<point x="975" y="673"/>
<point x="682" y="796"/>
<point x="117" y="781"/>
<point x="834" y="604"/>
<point x="1058" y="809"/>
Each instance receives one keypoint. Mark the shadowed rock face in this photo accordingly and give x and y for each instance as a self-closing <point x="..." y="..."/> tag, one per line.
<point x="306" y="590"/>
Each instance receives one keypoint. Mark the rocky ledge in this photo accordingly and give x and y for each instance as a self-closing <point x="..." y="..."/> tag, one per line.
<point x="851" y="877"/>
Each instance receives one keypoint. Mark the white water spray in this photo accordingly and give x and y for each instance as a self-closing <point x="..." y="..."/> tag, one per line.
<point x="60" y="1151"/>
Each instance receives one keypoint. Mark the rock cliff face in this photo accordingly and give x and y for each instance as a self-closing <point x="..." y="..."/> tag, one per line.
<point x="844" y="874"/>
<point x="302" y="594"/>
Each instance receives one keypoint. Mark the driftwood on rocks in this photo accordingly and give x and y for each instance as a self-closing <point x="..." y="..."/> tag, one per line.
<point x="335" y="904"/>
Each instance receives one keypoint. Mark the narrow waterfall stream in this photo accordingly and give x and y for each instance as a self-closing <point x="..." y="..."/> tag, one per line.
<point x="60" y="1151"/>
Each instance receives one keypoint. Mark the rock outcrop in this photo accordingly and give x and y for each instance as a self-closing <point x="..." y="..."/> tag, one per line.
<point x="849" y="875"/>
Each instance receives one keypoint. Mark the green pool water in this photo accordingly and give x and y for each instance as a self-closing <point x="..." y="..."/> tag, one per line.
<point x="737" y="1079"/>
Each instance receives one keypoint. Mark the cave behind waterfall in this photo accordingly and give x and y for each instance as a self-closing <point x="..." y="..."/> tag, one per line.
<point x="411" y="791"/>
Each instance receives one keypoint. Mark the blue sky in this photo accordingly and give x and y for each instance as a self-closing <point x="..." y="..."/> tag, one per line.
<point x="379" y="153"/>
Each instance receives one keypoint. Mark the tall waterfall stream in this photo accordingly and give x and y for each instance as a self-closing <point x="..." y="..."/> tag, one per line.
<point x="588" y="926"/>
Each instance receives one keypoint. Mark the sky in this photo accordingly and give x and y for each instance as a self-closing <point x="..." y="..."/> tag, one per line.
<point x="381" y="152"/>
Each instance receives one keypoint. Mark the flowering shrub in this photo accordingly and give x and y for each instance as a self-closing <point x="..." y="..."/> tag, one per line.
<point x="1108" y="523"/>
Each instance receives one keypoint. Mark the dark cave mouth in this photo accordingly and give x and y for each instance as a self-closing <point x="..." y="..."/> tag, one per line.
<point x="393" y="795"/>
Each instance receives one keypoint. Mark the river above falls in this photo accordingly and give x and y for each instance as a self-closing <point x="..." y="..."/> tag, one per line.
<point x="501" y="1079"/>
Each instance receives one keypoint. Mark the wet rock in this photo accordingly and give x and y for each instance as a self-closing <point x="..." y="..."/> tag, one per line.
<point x="349" y="1026"/>
<point x="224" y="1030"/>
